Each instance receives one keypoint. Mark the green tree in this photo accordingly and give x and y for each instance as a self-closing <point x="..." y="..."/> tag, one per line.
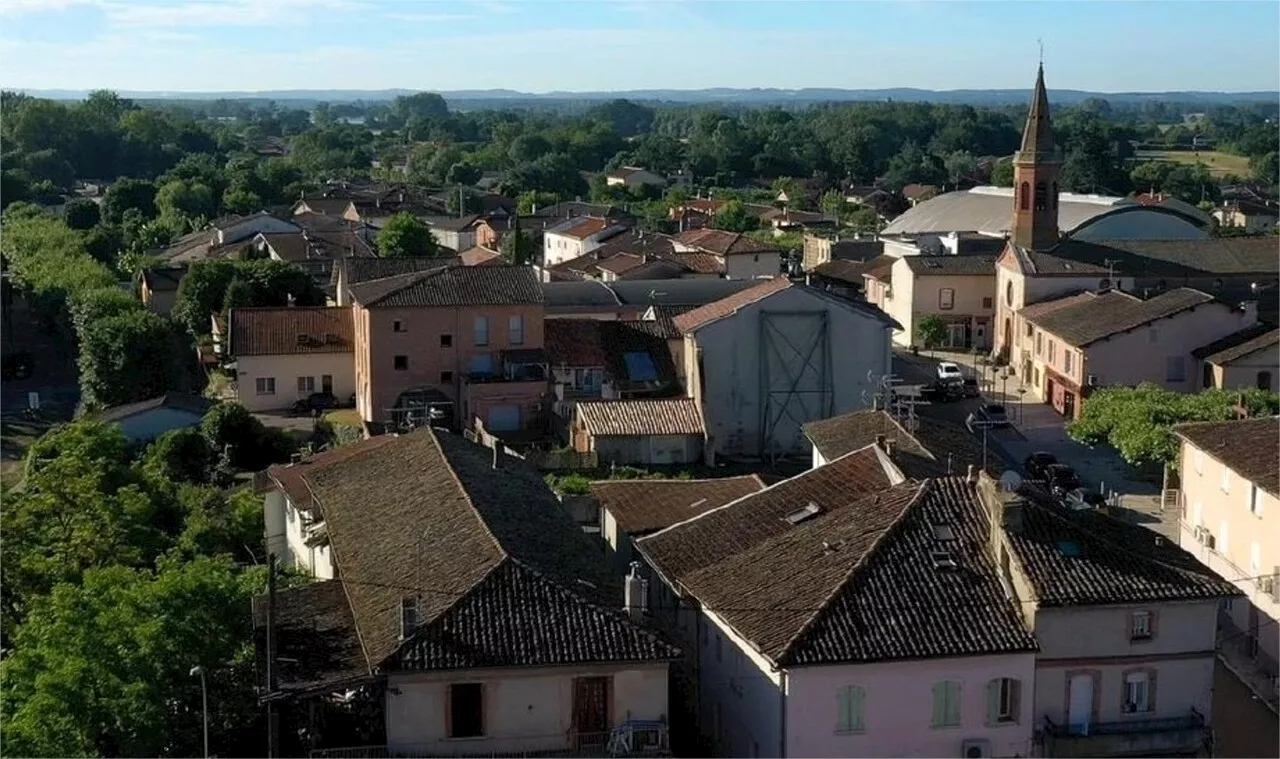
<point x="530" y="201"/>
<point x="186" y="200"/>
<point x="733" y="216"/>
<point x="931" y="330"/>
<point x="239" y="295"/>
<point x="103" y="668"/>
<point x="835" y="205"/>
<point x="1266" y="167"/>
<point x="103" y="243"/>
<point x="230" y="428"/>
<point x="1002" y="173"/>
<point x="1138" y="421"/>
<point x="81" y="213"/>
<point x="179" y="456"/>
<point x="404" y="236"/>
<point x="131" y="357"/>
<point x="517" y="247"/>
<point x="126" y="194"/>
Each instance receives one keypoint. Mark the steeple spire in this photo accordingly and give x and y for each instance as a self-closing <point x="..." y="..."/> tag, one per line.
<point x="1037" y="137"/>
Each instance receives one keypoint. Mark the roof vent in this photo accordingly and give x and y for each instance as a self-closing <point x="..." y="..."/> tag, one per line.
<point x="810" y="511"/>
<point x="943" y="560"/>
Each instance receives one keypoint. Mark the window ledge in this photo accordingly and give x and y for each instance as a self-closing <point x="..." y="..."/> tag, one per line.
<point x="467" y="739"/>
<point x="1141" y="638"/>
<point x="857" y="731"/>
<point x="945" y="727"/>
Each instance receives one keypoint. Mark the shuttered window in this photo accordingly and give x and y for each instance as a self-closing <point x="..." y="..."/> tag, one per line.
<point x="1004" y="698"/>
<point x="946" y="704"/>
<point x="849" y="716"/>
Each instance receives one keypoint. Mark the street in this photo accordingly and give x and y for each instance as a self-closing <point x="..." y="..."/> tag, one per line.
<point x="1242" y="725"/>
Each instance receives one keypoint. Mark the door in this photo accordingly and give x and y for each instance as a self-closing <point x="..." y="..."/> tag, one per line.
<point x="1069" y="405"/>
<point x="1080" y="704"/>
<point x="591" y="712"/>
<point x="980" y="335"/>
<point x="955" y="335"/>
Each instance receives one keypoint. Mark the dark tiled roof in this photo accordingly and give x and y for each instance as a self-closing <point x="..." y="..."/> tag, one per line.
<point x="1247" y="446"/>
<point x="574" y="342"/>
<point x="452" y="286"/>
<point x="636" y="243"/>
<point x="1078" y="558"/>
<point x="1186" y="258"/>
<point x="700" y="263"/>
<point x="364" y="269"/>
<point x="316" y="641"/>
<point x="856" y="250"/>
<point x="844" y="271"/>
<point x="643" y="506"/>
<point x="456" y="224"/>
<point x="291" y="478"/>
<point x="641" y="417"/>
<point x="945" y="266"/>
<point x="569" y="209"/>
<point x="935" y="448"/>
<point x="579" y="294"/>
<point x="678" y="292"/>
<point x="846" y="433"/>
<point x="717" y="310"/>
<point x="493" y="554"/>
<point x="276" y="331"/>
<point x="1095" y="316"/>
<point x="302" y="246"/>
<point x="1239" y="344"/>
<point x="193" y="404"/>
<point x="880" y="267"/>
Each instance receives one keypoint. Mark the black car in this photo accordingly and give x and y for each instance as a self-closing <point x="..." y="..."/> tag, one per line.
<point x="1037" y="463"/>
<point x="1061" y="479"/>
<point x="970" y="387"/>
<point x="942" y="392"/>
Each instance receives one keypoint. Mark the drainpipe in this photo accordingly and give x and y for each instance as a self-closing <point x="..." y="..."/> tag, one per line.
<point x="782" y="718"/>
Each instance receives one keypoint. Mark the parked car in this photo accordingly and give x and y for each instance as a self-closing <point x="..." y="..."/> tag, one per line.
<point x="1038" y="463"/>
<point x="941" y="392"/>
<point x="949" y="372"/>
<point x="1061" y="479"/>
<point x="1082" y="499"/>
<point x="988" y="416"/>
<point x="971" y="387"/>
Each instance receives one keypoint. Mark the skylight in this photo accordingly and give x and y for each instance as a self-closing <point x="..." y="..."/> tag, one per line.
<point x="640" y="367"/>
<point x="808" y="512"/>
<point x="1069" y="547"/>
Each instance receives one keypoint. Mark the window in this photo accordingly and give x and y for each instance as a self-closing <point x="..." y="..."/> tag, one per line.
<point x="326" y="383"/>
<point x="481" y="330"/>
<point x="446" y="341"/>
<point x="482" y="363"/>
<point x="1140" y="625"/>
<point x="266" y="385"/>
<point x="1153" y="335"/>
<point x="1042" y="199"/>
<point x="401" y="363"/>
<point x="946" y="299"/>
<point x="1067" y="361"/>
<point x="1264" y="381"/>
<point x="1175" y="369"/>
<point x="1199" y="462"/>
<point x="1024" y="196"/>
<point x="1255" y="503"/>
<point x="1008" y="293"/>
<point x="1226" y="480"/>
<point x="849" y="710"/>
<point x="306" y="385"/>
<point x="1031" y="328"/>
<point x="1221" y="545"/>
<point x="946" y="704"/>
<point x="398" y="326"/>
<point x="1255" y="559"/>
<point x="1053" y="352"/>
<point x="466" y="710"/>
<point x="446" y="378"/>
<point x="1137" y="692"/>
<point x="1004" y="695"/>
<point x="515" y="330"/>
<point x="1039" y="343"/>
<point x="986" y="303"/>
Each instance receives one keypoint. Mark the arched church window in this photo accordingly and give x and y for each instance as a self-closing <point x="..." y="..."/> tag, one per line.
<point x="1041" y="196"/>
<point x="1023" y="192"/>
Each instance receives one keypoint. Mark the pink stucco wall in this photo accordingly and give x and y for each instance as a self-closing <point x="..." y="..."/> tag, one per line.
<point x="379" y="383"/>
<point x="898" y="708"/>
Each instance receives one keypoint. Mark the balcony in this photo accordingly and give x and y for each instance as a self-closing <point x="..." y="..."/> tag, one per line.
<point x="632" y="739"/>
<point x="1166" y="736"/>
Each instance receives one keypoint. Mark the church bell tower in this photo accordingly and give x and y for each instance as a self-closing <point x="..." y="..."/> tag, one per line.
<point x="1035" y="177"/>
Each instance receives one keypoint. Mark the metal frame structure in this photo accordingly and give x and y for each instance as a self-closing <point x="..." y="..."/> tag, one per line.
<point x="781" y="358"/>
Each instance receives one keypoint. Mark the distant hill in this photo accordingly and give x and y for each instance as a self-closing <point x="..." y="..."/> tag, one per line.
<point x="498" y="98"/>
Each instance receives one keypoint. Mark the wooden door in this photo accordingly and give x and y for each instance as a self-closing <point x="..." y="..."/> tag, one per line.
<point x="591" y="711"/>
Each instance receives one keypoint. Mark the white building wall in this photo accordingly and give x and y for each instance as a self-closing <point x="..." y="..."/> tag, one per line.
<point x="524" y="709"/>
<point x="740" y="693"/>
<point x="286" y="370"/>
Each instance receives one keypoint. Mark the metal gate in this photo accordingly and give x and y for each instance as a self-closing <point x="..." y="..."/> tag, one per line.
<point x="796" y="384"/>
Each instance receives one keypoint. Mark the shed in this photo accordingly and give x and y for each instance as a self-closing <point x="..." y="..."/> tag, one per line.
<point x="659" y="431"/>
<point x="147" y="420"/>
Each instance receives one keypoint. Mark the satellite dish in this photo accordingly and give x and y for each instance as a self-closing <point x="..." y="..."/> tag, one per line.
<point x="1010" y="481"/>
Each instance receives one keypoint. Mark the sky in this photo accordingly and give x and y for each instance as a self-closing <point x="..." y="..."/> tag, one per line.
<point x="590" y="45"/>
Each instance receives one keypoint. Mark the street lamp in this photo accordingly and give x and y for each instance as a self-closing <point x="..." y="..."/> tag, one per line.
<point x="1021" y="392"/>
<point x="1004" y="383"/>
<point x="204" y="702"/>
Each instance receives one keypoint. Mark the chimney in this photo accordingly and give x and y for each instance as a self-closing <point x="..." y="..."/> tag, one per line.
<point x="971" y="477"/>
<point x="497" y="454"/>
<point x="635" y="596"/>
<point x="880" y="440"/>
<point x="888" y="447"/>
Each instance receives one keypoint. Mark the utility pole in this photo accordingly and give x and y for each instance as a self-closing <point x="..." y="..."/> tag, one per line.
<point x="273" y="748"/>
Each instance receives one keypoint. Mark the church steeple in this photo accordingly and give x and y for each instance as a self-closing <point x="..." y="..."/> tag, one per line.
<point x="1035" y="177"/>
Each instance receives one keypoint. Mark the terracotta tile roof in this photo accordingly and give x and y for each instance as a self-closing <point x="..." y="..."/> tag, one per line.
<point x="480" y="256"/>
<point x="574" y="342"/>
<point x="699" y="317"/>
<point x="1175" y="258"/>
<point x="721" y="243"/>
<point x="1084" y="558"/>
<point x="1239" y="344"/>
<point x="936" y="447"/>
<point x="854" y="581"/>
<point x="628" y="418"/>
<point x="880" y="267"/>
<point x="291" y="478"/>
<point x="620" y="263"/>
<point x="913" y="191"/>
<point x="950" y="265"/>
<point x="457" y="224"/>
<point x="1246" y="446"/>
<point x="290" y="331"/>
<point x="700" y="263"/>
<point x="643" y="506"/>
<point x="582" y="228"/>
<point x="491" y="550"/>
<point x="1097" y="316"/>
<point x="451" y="286"/>
<point x="364" y="269"/>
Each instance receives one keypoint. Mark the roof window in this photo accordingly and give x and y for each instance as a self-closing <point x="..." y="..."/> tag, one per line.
<point x="810" y="511"/>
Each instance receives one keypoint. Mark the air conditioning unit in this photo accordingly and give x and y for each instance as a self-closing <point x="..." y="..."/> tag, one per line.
<point x="1267" y="585"/>
<point x="1129" y="707"/>
<point x="1091" y="380"/>
<point x="1198" y="534"/>
<point x="974" y="748"/>
<point x="1209" y="540"/>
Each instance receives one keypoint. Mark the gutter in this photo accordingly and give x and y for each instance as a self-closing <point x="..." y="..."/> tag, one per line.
<point x="782" y="717"/>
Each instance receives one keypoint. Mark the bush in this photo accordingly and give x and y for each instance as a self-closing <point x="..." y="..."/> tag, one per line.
<point x="568" y="484"/>
<point x="82" y="214"/>
<point x="252" y="446"/>
<point x="181" y="455"/>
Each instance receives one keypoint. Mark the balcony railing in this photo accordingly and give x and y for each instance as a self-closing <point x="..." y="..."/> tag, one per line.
<point x="648" y="739"/>
<point x="1191" y="721"/>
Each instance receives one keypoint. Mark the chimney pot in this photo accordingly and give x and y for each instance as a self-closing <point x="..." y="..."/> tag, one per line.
<point x="970" y="476"/>
<point x="880" y="440"/>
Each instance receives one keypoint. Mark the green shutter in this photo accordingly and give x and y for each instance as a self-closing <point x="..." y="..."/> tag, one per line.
<point x="842" y="709"/>
<point x="856" y="699"/>
<point x="939" y="704"/>
<point x="953" y="704"/>
<point x="993" y="701"/>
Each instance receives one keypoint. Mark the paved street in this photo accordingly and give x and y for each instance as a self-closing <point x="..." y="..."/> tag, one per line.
<point x="1242" y="725"/>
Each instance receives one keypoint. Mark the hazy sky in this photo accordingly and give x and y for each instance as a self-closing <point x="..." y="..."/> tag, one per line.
<point x="543" y="45"/>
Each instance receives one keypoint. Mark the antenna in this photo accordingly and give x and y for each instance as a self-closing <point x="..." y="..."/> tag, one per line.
<point x="1040" y="43"/>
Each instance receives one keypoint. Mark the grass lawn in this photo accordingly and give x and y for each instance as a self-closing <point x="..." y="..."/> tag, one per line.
<point x="347" y="416"/>
<point x="15" y="436"/>
<point x="1217" y="163"/>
